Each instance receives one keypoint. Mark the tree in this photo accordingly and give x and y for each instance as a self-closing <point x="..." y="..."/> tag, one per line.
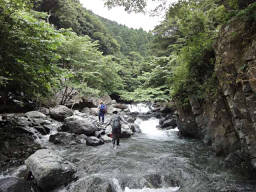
<point x="27" y="51"/>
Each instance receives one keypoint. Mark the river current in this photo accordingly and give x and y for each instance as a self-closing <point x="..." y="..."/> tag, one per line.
<point x="154" y="160"/>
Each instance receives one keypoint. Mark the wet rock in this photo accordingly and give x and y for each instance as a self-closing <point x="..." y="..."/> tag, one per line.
<point x="44" y="110"/>
<point x="94" y="111"/>
<point x="126" y="131"/>
<point x="94" y="141"/>
<point x="169" y="123"/>
<point x="234" y="160"/>
<point x="106" y="139"/>
<point x="16" y="140"/>
<point x="85" y="110"/>
<point x="49" y="169"/>
<point x="94" y="184"/>
<point x="155" y="180"/>
<point x="120" y="106"/>
<point x="108" y="130"/>
<point x="135" y="128"/>
<point x="42" y="130"/>
<point x="99" y="133"/>
<point x="13" y="184"/>
<point x="79" y="125"/>
<point x="60" y="112"/>
<point x="111" y="109"/>
<point x="129" y="119"/>
<point x="35" y="114"/>
<point x="65" y="138"/>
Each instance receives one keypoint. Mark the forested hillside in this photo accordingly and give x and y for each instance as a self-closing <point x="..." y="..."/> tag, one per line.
<point x="130" y="40"/>
<point x="59" y="49"/>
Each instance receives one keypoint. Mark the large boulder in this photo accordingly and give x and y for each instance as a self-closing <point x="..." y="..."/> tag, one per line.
<point x="79" y="125"/>
<point x="35" y="114"/>
<point x="49" y="169"/>
<point x="60" y="112"/>
<point x="13" y="184"/>
<point x="17" y="141"/>
<point x="94" y="141"/>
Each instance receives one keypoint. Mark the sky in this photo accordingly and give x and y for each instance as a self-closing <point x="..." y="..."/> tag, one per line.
<point x="132" y="20"/>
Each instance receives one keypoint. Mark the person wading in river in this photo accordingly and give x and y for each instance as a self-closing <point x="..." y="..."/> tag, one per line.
<point x="115" y="122"/>
<point x="102" y="110"/>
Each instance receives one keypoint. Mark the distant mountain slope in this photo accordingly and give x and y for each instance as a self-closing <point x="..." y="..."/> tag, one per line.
<point x="129" y="39"/>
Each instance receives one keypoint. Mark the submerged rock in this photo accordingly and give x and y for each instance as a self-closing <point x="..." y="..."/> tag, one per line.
<point x="94" y="141"/>
<point x="13" y="184"/>
<point x="94" y="184"/>
<point x="49" y="169"/>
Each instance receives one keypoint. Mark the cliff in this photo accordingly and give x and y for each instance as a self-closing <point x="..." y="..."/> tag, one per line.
<point x="228" y="122"/>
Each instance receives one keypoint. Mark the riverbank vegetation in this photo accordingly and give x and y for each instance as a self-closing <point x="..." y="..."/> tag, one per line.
<point x="57" y="47"/>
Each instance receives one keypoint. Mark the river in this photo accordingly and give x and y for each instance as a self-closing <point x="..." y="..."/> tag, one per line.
<point x="151" y="161"/>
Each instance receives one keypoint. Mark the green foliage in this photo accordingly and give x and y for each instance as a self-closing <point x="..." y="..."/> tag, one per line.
<point x="85" y="69"/>
<point x="38" y="61"/>
<point x="190" y="28"/>
<point x="70" y="14"/>
<point x="27" y="50"/>
<point x="130" y="40"/>
<point x="136" y="6"/>
<point x="247" y="14"/>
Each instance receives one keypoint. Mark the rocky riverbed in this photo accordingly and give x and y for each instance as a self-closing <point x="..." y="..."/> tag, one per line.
<point x="64" y="150"/>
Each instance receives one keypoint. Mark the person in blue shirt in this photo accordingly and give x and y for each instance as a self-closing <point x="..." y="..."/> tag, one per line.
<point x="102" y="110"/>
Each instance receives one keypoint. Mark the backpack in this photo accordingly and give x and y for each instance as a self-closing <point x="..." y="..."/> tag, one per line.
<point x="116" y="122"/>
<point x="102" y="108"/>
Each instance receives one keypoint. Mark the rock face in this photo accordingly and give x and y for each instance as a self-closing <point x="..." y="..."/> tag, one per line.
<point x="228" y="122"/>
<point x="60" y="112"/>
<point x="49" y="169"/>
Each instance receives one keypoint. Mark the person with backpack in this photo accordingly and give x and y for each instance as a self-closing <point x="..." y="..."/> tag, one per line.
<point x="102" y="110"/>
<point x="115" y="122"/>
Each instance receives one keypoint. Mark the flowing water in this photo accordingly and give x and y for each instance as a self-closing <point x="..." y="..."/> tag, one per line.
<point x="152" y="161"/>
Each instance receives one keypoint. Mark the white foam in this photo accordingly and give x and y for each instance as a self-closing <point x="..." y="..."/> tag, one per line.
<point x="140" y="108"/>
<point x="127" y="189"/>
<point x="169" y="189"/>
